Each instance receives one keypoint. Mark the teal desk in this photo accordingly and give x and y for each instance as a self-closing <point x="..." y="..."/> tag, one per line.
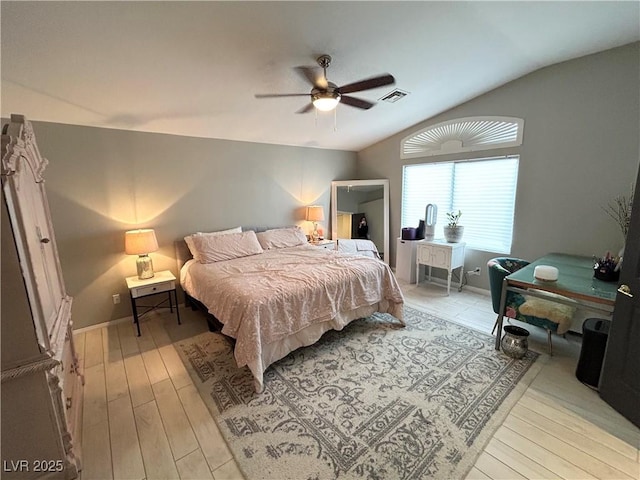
<point x="575" y="281"/>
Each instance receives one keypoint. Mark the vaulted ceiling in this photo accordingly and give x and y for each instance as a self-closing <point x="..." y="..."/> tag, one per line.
<point x="193" y="68"/>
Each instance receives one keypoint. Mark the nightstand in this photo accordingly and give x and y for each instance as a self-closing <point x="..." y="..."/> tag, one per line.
<point x="162" y="282"/>
<point x="327" y="244"/>
<point x="440" y="254"/>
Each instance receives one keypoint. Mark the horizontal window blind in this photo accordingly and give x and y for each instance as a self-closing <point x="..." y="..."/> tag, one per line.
<point x="484" y="190"/>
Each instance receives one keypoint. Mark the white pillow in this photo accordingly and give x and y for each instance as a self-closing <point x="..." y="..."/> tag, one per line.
<point x="216" y="248"/>
<point x="189" y="239"/>
<point x="282" y="237"/>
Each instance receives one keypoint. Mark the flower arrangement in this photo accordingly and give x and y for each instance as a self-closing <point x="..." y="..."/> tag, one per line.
<point x="453" y="218"/>
<point x="620" y="210"/>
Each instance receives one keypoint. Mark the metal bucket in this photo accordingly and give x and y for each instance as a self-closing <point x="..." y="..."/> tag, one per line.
<point x="514" y="341"/>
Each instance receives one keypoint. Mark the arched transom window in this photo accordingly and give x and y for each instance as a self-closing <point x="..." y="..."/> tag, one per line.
<point x="463" y="135"/>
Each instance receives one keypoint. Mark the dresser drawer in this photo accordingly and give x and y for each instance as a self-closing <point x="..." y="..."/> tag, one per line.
<point x="151" y="289"/>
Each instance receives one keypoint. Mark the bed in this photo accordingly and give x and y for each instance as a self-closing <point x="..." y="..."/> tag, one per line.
<point x="358" y="247"/>
<point x="273" y="292"/>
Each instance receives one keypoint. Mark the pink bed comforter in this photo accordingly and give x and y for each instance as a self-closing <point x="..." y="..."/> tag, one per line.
<point x="263" y="299"/>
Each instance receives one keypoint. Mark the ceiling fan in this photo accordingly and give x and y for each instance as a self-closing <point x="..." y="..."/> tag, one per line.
<point x="326" y="95"/>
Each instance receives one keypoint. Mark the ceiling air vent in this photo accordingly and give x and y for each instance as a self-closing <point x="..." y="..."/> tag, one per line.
<point x="394" y="96"/>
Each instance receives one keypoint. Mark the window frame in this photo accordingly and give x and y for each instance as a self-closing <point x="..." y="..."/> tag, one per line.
<point x="502" y="244"/>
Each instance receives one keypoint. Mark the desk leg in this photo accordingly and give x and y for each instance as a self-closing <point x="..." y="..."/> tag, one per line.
<point x="503" y="301"/>
<point x="135" y="314"/>
<point x="449" y="283"/>
<point x="461" y="276"/>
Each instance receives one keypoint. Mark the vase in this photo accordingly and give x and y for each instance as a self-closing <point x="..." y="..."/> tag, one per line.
<point x="453" y="234"/>
<point x="515" y="342"/>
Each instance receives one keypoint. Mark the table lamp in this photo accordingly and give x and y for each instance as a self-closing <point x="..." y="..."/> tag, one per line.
<point x="141" y="243"/>
<point x="315" y="214"/>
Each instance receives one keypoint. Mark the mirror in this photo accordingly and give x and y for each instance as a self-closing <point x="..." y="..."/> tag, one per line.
<point x="352" y="200"/>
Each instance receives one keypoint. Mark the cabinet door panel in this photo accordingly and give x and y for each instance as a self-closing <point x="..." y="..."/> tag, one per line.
<point x="26" y="214"/>
<point x="39" y="257"/>
<point x="424" y="254"/>
<point x="440" y="257"/>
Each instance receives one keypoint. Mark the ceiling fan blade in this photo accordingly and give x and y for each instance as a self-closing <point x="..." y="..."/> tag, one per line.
<point x="314" y="76"/>
<point x="273" y="95"/>
<point x="306" y="109"/>
<point x="356" y="102"/>
<point x="375" y="82"/>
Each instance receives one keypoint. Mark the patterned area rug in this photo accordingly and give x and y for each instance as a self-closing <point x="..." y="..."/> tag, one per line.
<point x="374" y="401"/>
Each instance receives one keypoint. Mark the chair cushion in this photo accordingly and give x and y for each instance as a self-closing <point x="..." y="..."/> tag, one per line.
<point x="552" y="311"/>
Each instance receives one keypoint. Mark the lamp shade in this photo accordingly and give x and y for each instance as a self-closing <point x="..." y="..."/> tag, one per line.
<point x="140" y="242"/>
<point x="315" y="213"/>
<point x="326" y="101"/>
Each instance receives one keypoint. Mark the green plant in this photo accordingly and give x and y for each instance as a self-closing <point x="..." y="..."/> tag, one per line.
<point x="453" y="218"/>
<point x="620" y="210"/>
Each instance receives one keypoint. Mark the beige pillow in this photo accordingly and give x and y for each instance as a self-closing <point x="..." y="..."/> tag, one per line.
<point x="216" y="248"/>
<point x="554" y="311"/>
<point x="282" y="238"/>
<point x="189" y="238"/>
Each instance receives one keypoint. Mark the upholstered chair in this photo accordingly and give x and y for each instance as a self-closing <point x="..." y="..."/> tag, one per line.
<point x="554" y="317"/>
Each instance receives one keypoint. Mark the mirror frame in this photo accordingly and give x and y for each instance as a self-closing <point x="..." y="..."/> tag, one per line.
<point x="383" y="182"/>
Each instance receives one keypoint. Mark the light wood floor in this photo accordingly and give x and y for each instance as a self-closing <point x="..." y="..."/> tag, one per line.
<point x="144" y="419"/>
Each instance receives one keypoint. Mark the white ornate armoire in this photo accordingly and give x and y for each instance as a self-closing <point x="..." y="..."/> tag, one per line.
<point x="41" y="381"/>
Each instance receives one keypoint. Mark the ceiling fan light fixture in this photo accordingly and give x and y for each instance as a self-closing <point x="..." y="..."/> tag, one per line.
<point x="325" y="101"/>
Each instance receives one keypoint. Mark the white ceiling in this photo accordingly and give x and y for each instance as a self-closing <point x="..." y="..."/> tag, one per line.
<point x="192" y="68"/>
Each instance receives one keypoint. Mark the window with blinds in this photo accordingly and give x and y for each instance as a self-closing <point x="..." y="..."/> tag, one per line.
<point x="483" y="190"/>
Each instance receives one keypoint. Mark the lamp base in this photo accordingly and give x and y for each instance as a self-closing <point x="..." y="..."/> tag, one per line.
<point x="315" y="236"/>
<point x="145" y="267"/>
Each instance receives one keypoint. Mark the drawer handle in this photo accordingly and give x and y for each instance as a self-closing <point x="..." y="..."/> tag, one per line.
<point x="154" y="288"/>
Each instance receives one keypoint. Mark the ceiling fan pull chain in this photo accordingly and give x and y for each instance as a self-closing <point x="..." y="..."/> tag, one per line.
<point x="335" y="119"/>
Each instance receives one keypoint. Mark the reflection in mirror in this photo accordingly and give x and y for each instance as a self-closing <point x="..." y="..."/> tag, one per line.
<point x="360" y="209"/>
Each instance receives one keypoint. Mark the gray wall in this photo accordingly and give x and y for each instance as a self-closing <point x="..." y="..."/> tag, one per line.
<point x="349" y="201"/>
<point x="102" y="182"/>
<point x="580" y="150"/>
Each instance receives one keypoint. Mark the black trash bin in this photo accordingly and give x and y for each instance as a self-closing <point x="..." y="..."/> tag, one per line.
<point x="595" y="332"/>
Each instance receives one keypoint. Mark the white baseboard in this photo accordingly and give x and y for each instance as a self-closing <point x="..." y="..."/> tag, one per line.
<point x="454" y="286"/>
<point x="117" y="321"/>
<point x="104" y="324"/>
<point x="479" y="290"/>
